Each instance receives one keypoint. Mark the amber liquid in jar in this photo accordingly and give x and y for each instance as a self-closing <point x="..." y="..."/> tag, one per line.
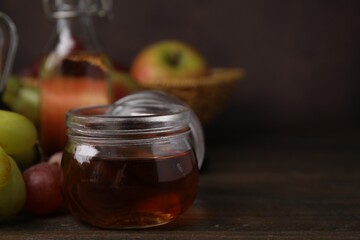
<point x="130" y="193"/>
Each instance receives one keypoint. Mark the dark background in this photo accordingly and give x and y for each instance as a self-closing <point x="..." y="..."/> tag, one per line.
<point x="301" y="57"/>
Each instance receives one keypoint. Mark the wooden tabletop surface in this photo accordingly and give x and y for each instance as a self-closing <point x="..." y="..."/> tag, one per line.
<point x="266" y="187"/>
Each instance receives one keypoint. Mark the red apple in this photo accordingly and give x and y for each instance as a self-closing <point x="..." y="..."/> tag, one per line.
<point x="168" y="59"/>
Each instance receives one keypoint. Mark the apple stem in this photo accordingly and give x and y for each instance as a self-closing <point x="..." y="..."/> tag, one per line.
<point x="173" y="58"/>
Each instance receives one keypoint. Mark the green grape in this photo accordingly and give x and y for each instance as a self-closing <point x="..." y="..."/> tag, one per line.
<point x="12" y="191"/>
<point x="17" y="133"/>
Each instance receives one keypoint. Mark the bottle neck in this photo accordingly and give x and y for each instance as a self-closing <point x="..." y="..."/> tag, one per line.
<point x="75" y="35"/>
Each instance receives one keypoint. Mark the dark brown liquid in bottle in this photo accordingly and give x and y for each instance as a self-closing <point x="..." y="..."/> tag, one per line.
<point x="130" y="193"/>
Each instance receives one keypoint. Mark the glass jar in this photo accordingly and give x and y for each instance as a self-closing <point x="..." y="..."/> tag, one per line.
<point x="132" y="170"/>
<point x="160" y="97"/>
<point x="75" y="71"/>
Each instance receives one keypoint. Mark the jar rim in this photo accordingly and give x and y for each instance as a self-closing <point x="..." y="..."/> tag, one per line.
<point x="157" y="96"/>
<point x="154" y="118"/>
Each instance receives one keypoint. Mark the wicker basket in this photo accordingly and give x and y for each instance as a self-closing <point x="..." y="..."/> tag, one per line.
<point x="206" y="95"/>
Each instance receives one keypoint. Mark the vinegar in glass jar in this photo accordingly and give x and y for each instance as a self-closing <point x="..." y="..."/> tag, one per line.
<point x="131" y="168"/>
<point x="130" y="192"/>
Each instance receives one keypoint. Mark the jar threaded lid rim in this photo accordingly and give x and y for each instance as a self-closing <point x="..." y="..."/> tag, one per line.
<point x="101" y="121"/>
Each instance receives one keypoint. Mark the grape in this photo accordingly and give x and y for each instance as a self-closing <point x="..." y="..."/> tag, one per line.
<point x="17" y="133"/>
<point x="56" y="159"/>
<point x="43" y="188"/>
<point x="12" y="190"/>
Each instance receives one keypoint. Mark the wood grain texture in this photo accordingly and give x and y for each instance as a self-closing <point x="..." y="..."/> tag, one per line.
<point x="274" y="188"/>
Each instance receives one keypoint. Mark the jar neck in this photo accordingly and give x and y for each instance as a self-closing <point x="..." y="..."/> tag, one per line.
<point x="150" y="121"/>
<point x="124" y="138"/>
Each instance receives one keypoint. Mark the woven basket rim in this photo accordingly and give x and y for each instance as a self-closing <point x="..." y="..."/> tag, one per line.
<point x="216" y="76"/>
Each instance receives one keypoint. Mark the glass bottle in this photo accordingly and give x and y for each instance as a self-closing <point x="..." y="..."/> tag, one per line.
<point x="75" y="71"/>
<point x="133" y="165"/>
<point x="8" y="44"/>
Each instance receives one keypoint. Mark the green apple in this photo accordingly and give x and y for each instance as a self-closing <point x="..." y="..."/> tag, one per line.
<point x="22" y="96"/>
<point x="17" y="133"/>
<point x="12" y="186"/>
<point x="168" y="59"/>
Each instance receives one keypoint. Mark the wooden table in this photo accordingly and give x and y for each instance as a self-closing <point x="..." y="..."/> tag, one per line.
<point x="300" y="186"/>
